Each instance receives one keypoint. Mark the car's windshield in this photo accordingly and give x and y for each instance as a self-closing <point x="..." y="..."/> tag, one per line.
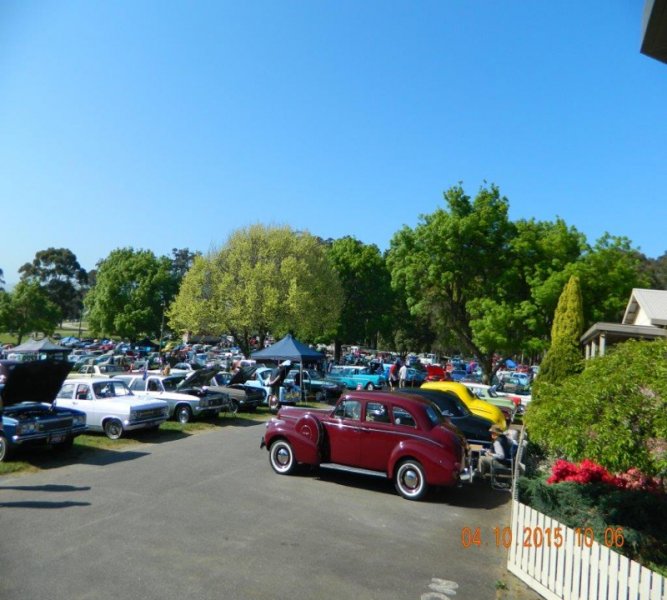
<point x="170" y="383"/>
<point x="111" y="388"/>
<point x="434" y="416"/>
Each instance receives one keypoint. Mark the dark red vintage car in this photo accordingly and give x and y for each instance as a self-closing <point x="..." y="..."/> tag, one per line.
<point x="400" y="437"/>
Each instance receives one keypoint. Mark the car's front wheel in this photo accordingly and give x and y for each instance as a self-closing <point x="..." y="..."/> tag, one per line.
<point x="113" y="429"/>
<point x="183" y="414"/>
<point x="281" y="457"/>
<point x="369" y="386"/>
<point x="4" y="450"/>
<point x="410" y="480"/>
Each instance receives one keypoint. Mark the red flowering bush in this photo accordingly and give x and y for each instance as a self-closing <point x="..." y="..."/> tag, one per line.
<point x="589" y="472"/>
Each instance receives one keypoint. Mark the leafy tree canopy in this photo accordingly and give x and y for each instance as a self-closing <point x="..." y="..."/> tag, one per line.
<point x="367" y="293"/>
<point x="264" y="279"/>
<point x="132" y="289"/>
<point x="27" y="309"/>
<point x="492" y="285"/>
<point x="61" y="275"/>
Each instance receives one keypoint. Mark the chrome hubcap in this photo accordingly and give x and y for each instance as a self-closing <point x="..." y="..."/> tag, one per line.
<point x="411" y="479"/>
<point x="282" y="457"/>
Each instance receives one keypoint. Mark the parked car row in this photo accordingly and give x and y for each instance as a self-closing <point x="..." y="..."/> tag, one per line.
<point x="41" y="405"/>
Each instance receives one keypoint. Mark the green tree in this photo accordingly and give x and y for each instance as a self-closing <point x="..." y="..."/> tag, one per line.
<point x="367" y="293"/>
<point x="181" y="261"/>
<point x="27" y="309"/>
<point x="564" y="357"/>
<point x="453" y="260"/>
<point x="58" y="271"/>
<point x="264" y="279"/>
<point x="132" y="290"/>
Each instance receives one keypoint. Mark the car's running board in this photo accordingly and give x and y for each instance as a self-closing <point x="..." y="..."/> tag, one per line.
<point x="347" y="469"/>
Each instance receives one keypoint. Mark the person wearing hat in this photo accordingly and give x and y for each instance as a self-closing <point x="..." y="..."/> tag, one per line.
<point x="500" y="451"/>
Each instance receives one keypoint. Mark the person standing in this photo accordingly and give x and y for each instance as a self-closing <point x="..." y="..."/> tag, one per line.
<point x="393" y="374"/>
<point x="275" y="381"/>
<point x="402" y="375"/>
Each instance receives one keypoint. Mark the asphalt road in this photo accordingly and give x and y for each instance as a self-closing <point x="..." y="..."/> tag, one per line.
<point x="204" y="516"/>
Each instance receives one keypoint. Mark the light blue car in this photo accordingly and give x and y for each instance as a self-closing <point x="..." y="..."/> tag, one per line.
<point x="353" y="377"/>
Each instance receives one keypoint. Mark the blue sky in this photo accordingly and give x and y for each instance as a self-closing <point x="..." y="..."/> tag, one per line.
<point x="161" y="125"/>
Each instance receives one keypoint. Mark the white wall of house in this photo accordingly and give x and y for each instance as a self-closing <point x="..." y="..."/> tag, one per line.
<point x="642" y="318"/>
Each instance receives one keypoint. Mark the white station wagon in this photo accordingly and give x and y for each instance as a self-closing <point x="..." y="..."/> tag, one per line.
<point x="110" y="406"/>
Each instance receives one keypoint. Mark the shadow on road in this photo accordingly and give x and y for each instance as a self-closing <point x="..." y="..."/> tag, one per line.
<point x="49" y="487"/>
<point x="476" y="495"/>
<point x="41" y="504"/>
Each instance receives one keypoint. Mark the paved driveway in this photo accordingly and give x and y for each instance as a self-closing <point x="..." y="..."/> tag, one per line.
<point x="204" y="516"/>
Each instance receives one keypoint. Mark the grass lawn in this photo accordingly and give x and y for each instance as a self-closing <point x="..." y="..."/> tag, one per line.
<point x="96" y="448"/>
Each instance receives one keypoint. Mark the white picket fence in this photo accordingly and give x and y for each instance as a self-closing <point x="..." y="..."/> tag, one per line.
<point x="560" y="565"/>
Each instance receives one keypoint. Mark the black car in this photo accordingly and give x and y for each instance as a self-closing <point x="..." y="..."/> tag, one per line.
<point x="246" y="397"/>
<point x="29" y="417"/>
<point x="475" y="429"/>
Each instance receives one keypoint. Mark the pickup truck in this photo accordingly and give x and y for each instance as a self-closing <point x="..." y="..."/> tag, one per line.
<point x="186" y="395"/>
<point x="399" y="437"/>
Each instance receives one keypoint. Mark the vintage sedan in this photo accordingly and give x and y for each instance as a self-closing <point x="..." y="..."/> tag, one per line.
<point x="475" y="429"/>
<point x="245" y="397"/>
<point x="400" y="437"/>
<point x="316" y="385"/>
<point x="353" y="377"/>
<point x="110" y="406"/>
<point x="29" y="417"/>
<point x="508" y="403"/>
<point x="176" y="390"/>
<point x="477" y="406"/>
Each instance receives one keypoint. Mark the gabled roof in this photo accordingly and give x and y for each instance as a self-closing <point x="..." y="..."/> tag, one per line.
<point x="652" y="302"/>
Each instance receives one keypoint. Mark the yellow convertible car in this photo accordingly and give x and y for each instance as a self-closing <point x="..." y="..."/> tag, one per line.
<point x="477" y="406"/>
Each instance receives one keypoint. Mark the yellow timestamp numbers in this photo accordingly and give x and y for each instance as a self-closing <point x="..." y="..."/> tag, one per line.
<point x="538" y="537"/>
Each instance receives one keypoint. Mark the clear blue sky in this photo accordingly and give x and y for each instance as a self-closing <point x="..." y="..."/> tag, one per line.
<point x="158" y="124"/>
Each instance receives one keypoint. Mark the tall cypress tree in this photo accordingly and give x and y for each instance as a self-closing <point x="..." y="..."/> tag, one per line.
<point x="564" y="357"/>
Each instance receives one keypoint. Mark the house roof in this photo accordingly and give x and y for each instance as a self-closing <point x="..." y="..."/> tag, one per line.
<point x="652" y="302"/>
<point x="615" y="332"/>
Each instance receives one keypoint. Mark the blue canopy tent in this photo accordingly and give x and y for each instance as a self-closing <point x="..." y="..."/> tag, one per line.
<point x="288" y="349"/>
<point x="510" y="364"/>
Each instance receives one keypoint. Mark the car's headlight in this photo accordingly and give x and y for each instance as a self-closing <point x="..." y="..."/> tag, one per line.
<point x="78" y="420"/>
<point x="24" y="428"/>
<point x="165" y="411"/>
<point x="133" y="415"/>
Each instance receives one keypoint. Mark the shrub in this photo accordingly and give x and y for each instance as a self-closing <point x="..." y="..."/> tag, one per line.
<point x="601" y="506"/>
<point x="614" y="412"/>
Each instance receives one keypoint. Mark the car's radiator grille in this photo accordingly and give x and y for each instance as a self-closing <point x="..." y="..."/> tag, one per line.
<point x="54" y="424"/>
<point x="149" y="413"/>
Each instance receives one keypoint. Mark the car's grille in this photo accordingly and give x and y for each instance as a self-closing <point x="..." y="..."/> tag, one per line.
<point x="54" y="424"/>
<point x="149" y="413"/>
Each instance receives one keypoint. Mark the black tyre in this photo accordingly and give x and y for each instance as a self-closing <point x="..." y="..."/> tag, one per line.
<point x="4" y="449"/>
<point x="320" y="397"/>
<point x="281" y="457"/>
<point x="410" y="480"/>
<point x="233" y="407"/>
<point x="369" y="386"/>
<point x="113" y="429"/>
<point x="183" y="414"/>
